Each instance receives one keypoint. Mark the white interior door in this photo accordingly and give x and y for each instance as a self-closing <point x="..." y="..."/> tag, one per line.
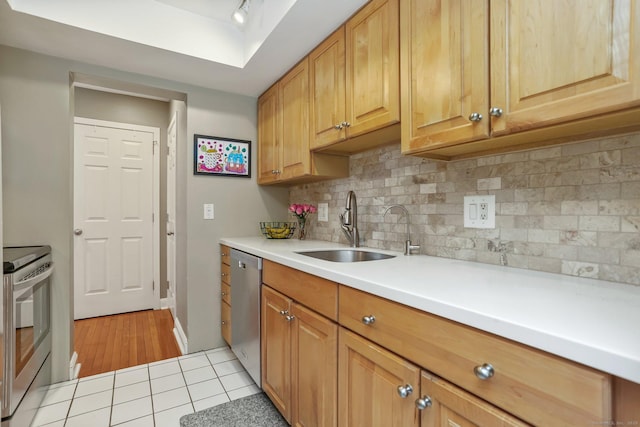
<point x="113" y="218"/>
<point x="172" y="136"/>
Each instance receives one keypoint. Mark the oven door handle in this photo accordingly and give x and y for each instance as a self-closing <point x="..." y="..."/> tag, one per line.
<point x="32" y="281"/>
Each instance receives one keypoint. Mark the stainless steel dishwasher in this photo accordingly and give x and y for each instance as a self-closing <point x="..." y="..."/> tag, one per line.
<point x="246" y="278"/>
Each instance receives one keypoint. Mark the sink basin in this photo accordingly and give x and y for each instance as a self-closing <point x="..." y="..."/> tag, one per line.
<point x="346" y="255"/>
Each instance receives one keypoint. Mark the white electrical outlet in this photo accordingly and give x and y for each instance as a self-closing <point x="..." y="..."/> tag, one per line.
<point x="480" y="211"/>
<point x="208" y="211"/>
<point x="323" y="212"/>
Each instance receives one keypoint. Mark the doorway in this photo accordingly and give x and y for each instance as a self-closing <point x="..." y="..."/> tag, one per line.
<point x="116" y="206"/>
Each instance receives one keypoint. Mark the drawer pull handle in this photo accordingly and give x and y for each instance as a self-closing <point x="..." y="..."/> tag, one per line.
<point x="284" y="312"/>
<point x="484" y="372"/>
<point x="369" y="320"/>
<point x="424" y="402"/>
<point x="289" y="317"/>
<point x="224" y="294"/>
<point x="405" y="390"/>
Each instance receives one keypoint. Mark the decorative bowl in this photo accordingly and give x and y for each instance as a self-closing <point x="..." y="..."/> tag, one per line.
<point x="278" y="230"/>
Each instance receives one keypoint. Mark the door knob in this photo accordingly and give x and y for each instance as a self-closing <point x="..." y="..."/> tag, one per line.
<point x="405" y="390"/>
<point x="475" y="117"/>
<point x="77" y="231"/>
<point x="495" y="111"/>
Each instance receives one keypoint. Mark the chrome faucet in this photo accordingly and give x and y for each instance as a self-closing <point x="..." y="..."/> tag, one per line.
<point x="408" y="246"/>
<point x="349" y="220"/>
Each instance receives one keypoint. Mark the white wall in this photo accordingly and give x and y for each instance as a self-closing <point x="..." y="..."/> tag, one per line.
<point x="37" y="106"/>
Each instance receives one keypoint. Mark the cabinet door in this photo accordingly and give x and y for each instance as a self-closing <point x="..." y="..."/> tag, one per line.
<point x="368" y="381"/>
<point x="269" y="153"/>
<point x="448" y="405"/>
<point x="294" y="116"/>
<point x="314" y="366"/>
<point x="556" y="61"/>
<point x="327" y="74"/>
<point x="276" y="350"/>
<point x="444" y="72"/>
<point x="372" y="73"/>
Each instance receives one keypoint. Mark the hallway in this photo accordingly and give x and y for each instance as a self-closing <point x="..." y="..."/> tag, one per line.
<point x="109" y="343"/>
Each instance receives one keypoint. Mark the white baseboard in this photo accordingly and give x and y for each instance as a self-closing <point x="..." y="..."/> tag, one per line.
<point x="74" y="366"/>
<point x="181" y="338"/>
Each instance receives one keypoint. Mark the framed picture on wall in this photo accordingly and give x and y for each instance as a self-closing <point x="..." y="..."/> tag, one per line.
<point x="213" y="155"/>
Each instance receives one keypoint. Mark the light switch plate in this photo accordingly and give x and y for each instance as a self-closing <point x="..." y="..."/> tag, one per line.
<point x="323" y="212"/>
<point x="480" y="211"/>
<point x="208" y="211"/>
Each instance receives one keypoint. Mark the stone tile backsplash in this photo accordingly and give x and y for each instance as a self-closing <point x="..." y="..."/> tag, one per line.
<point x="572" y="209"/>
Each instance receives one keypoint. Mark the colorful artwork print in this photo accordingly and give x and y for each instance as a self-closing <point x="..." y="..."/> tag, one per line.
<point x="221" y="156"/>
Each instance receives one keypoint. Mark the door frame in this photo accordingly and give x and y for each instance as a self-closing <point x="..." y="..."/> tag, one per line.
<point x="172" y="299"/>
<point x="156" y="192"/>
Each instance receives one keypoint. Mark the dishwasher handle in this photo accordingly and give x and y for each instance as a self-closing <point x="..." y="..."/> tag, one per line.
<point x="245" y="260"/>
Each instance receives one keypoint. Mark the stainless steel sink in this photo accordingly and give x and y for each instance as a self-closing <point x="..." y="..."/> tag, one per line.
<point x="346" y="255"/>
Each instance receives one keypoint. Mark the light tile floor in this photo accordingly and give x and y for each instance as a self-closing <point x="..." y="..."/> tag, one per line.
<point x="152" y="395"/>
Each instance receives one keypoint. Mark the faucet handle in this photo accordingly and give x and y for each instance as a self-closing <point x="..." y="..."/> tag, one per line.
<point x="409" y="247"/>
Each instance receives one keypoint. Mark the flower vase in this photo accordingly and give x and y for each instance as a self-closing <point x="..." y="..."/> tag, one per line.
<point x="302" y="231"/>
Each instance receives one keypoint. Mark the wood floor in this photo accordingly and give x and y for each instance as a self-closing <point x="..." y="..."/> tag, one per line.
<point x="109" y="343"/>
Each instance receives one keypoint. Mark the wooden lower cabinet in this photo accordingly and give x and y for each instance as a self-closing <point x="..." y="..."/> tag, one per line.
<point x="225" y="293"/>
<point x="377" y="388"/>
<point x="444" y="404"/>
<point x="299" y="361"/>
<point x="368" y="381"/>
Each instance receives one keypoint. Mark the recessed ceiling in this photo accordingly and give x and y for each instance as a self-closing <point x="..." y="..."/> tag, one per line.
<point x="189" y="41"/>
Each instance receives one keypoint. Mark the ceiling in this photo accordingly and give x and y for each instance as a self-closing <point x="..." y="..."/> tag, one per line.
<point x="187" y="41"/>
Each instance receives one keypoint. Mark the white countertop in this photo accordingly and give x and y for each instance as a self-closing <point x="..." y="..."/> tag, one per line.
<point x="592" y="322"/>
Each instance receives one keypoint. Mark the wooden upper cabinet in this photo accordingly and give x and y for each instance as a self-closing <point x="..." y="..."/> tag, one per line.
<point x="557" y="61"/>
<point x="373" y="74"/>
<point x="269" y="154"/>
<point x="294" y="104"/>
<point x="355" y="82"/>
<point x="445" y="72"/>
<point x="327" y="71"/>
<point x="477" y="74"/>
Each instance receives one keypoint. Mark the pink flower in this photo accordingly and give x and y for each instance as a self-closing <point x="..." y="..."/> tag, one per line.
<point x="302" y="210"/>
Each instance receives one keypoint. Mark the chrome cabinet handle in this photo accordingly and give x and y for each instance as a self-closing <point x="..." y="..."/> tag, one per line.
<point x="423" y="402"/>
<point x="224" y="293"/>
<point x="346" y="124"/>
<point x="275" y="171"/>
<point x="284" y="312"/>
<point x="224" y="322"/>
<point x="484" y="371"/>
<point x="369" y="320"/>
<point x="405" y="390"/>
<point x="339" y="126"/>
<point x="475" y="117"/>
<point x="77" y="231"/>
<point x="495" y="111"/>
<point x="289" y="317"/>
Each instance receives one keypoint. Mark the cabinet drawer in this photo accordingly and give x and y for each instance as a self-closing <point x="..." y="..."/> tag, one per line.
<point x="535" y="386"/>
<point x="226" y="293"/>
<point x="318" y="294"/>
<point x="225" y="273"/>
<point x="225" y="254"/>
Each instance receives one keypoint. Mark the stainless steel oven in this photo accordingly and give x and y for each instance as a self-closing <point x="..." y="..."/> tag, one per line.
<point x="26" y="322"/>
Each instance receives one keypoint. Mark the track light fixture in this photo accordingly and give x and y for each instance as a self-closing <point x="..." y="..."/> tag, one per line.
<point x="241" y="14"/>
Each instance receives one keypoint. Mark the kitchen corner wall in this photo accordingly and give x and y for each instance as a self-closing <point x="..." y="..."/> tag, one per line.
<point x="572" y="209"/>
